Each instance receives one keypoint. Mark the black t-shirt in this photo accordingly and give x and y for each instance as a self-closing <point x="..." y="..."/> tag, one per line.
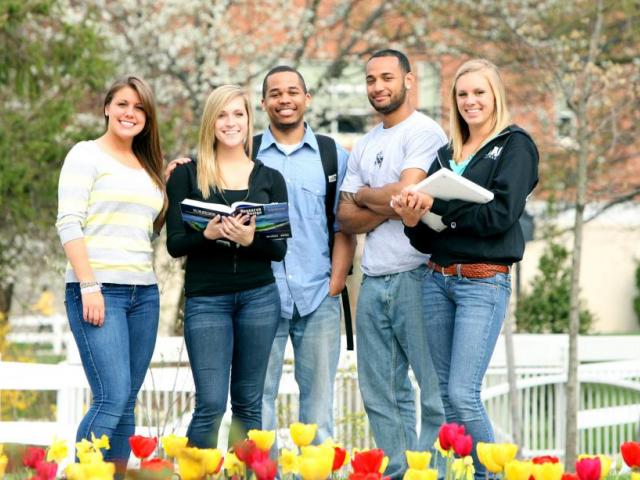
<point x="213" y="267"/>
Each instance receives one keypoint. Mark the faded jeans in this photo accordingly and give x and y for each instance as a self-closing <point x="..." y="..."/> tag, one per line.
<point x="115" y="358"/>
<point x="316" y="348"/>
<point x="228" y="338"/>
<point x="464" y="320"/>
<point x="390" y="338"/>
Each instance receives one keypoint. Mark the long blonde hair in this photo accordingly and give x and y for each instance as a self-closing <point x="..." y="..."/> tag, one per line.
<point x="458" y="128"/>
<point x="208" y="171"/>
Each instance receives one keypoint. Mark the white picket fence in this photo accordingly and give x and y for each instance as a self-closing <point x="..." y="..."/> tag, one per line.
<point x="44" y="330"/>
<point x="609" y="411"/>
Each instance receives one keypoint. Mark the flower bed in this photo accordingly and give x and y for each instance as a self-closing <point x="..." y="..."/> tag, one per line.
<point x="172" y="457"/>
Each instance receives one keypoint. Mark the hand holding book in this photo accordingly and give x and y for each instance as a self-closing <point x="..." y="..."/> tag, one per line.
<point x="411" y="205"/>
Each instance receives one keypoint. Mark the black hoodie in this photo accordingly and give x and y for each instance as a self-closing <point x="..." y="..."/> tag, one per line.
<point x="484" y="233"/>
<point x="223" y="267"/>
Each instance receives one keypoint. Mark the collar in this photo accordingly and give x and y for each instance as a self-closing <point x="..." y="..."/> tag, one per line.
<point x="309" y="139"/>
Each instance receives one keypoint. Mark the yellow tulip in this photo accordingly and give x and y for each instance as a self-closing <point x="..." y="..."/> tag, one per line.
<point x="289" y="462"/>
<point x="303" y="434"/>
<point x="190" y="464"/>
<point x="58" y="451"/>
<point x="172" y="444"/>
<point x="418" y="460"/>
<point x="420" y="474"/>
<point x="233" y="466"/>
<point x="383" y="465"/>
<point x="211" y="458"/>
<point x="635" y="476"/>
<point x="518" y="470"/>
<point x="494" y="456"/>
<point x="102" y="442"/>
<point x="93" y="471"/>
<point x="87" y="452"/>
<point x="264" y="439"/>
<point x="316" y="466"/>
<point x="3" y="462"/>
<point x="548" y="471"/>
<point x="605" y="463"/>
<point x="463" y="468"/>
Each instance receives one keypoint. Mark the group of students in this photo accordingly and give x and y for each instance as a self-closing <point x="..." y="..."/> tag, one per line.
<point x="430" y="301"/>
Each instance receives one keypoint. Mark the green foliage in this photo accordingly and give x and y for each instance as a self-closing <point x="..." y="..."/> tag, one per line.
<point x="636" y="300"/>
<point x="545" y="309"/>
<point x="50" y="64"/>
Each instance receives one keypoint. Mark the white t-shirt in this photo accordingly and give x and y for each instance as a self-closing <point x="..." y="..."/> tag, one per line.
<point x="379" y="158"/>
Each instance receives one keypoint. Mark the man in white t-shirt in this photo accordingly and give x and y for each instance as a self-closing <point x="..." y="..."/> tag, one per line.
<point x="390" y="332"/>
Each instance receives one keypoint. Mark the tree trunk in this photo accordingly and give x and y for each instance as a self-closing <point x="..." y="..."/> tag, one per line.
<point x="514" y="405"/>
<point x="573" y="394"/>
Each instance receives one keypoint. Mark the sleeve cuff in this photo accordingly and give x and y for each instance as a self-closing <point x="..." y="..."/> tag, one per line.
<point x="439" y="206"/>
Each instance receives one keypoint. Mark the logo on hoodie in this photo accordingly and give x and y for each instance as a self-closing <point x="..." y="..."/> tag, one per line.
<point x="494" y="153"/>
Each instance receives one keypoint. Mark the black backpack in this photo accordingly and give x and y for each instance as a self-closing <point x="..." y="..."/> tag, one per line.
<point x="329" y="158"/>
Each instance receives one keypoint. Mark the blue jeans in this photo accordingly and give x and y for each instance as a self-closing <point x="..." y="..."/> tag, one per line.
<point x="464" y="319"/>
<point x="228" y="338"/>
<point x="390" y="337"/>
<point x="115" y="358"/>
<point x="316" y="348"/>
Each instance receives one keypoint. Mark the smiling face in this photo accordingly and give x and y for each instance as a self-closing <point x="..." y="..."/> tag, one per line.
<point x="475" y="100"/>
<point x="285" y="100"/>
<point x="386" y="84"/>
<point x="232" y="123"/>
<point x="125" y="114"/>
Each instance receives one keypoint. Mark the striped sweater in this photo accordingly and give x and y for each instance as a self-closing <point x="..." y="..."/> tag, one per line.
<point x="112" y="207"/>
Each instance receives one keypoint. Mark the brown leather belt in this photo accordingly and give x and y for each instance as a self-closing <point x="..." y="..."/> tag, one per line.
<point x="469" y="270"/>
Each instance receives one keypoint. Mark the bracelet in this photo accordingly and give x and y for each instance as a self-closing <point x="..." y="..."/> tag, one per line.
<point x="90" y="287"/>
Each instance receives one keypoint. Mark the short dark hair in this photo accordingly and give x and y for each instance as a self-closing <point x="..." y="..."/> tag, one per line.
<point x="280" y="69"/>
<point x="389" y="52"/>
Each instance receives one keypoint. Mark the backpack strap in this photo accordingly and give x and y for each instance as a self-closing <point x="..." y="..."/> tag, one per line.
<point x="257" y="141"/>
<point x="329" y="158"/>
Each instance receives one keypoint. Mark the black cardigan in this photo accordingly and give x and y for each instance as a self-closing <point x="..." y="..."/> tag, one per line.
<point x="212" y="267"/>
<point x="491" y="232"/>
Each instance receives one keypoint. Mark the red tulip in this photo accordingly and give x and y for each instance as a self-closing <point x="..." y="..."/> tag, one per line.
<point x="448" y="433"/>
<point x="462" y="445"/>
<point x="338" y="458"/>
<point x="46" y="470"/>
<point x="244" y="449"/>
<point x="631" y="454"/>
<point x="545" y="459"/>
<point x="142" y="447"/>
<point x="156" y="465"/>
<point x="569" y="476"/>
<point x="33" y="456"/>
<point x="368" y="461"/>
<point x="366" y="476"/>
<point x="589" y="468"/>
<point x="265" y="469"/>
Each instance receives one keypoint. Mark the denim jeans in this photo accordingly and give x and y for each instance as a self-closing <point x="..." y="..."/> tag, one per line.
<point x="389" y="314"/>
<point x="464" y="320"/>
<point x="115" y="358"/>
<point x="228" y="339"/>
<point x="316" y="348"/>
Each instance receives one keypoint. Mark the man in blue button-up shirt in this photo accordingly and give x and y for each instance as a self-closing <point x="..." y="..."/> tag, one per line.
<point x="309" y="280"/>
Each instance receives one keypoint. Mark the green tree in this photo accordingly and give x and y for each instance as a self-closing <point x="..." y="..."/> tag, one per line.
<point x="545" y="308"/>
<point x="636" y="300"/>
<point x="50" y="64"/>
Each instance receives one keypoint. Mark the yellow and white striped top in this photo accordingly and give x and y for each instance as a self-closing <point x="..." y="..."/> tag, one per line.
<point x="112" y="207"/>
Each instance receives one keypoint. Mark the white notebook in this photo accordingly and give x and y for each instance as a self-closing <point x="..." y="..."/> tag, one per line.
<point x="447" y="185"/>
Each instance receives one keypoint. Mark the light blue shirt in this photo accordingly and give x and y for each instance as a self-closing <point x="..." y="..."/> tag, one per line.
<point x="303" y="276"/>
<point x="460" y="167"/>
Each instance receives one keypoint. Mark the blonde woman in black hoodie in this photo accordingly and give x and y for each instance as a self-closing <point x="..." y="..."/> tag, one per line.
<point x="467" y="287"/>
<point x="232" y="304"/>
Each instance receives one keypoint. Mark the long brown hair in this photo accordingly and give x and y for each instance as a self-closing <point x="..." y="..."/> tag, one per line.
<point x="146" y="145"/>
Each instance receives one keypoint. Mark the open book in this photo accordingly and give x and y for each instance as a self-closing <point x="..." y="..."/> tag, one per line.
<point x="447" y="185"/>
<point x="272" y="219"/>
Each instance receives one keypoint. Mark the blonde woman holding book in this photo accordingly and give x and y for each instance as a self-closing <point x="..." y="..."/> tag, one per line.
<point x="467" y="287"/>
<point x="232" y="304"/>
